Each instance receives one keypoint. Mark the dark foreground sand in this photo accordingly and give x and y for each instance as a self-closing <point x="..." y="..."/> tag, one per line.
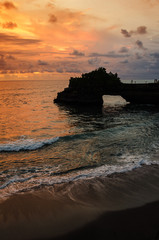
<point x="140" y="223"/>
<point x="121" y="206"/>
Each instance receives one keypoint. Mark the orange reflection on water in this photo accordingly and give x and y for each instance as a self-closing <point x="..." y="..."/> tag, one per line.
<point x="27" y="109"/>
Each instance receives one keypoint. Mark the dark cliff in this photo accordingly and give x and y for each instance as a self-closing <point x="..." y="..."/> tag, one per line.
<point x="141" y="93"/>
<point x="90" y="87"/>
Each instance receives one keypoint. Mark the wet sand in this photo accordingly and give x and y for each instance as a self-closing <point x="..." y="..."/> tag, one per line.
<point x="140" y="223"/>
<point x="119" y="206"/>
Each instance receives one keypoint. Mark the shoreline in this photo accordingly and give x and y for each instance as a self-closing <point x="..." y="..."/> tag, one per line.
<point x="96" y="207"/>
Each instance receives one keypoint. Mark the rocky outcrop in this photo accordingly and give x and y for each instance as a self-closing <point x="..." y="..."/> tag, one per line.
<point x="141" y="93"/>
<point x="90" y="87"/>
<point x="71" y="96"/>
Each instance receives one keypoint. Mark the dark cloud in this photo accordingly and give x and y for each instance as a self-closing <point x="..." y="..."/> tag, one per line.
<point x="125" y="33"/>
<point x="140" y="45"/>
<point x="67" y="66"/>
<point x="52" y="18"/>
<point x="155" y="55"/>
<point x="42" y="63"/>
<point x="124" y="62"/>
<point x="138" y="56"/>
<point x="124" y="50"/>
<point x="2" y="62"/>
<point x="6" y="62"/>
<point x="8" y="5"/>
<point x="59" y="70"/>
<point x="154" y="67"/>
<point x="9" y="25"/>
<point x="73" y="70"/>
<point x="94" y="61"/>
<point x="108" y="55"/>
<point x="10" y="57"/>
<point x="9" y="64"/>
<point x="77" y="53"/>
<point x="15" y="40"/>
<point x="140" y="30"/>
<point x="137" y="69"/>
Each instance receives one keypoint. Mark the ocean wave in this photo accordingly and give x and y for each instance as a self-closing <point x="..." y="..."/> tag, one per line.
<point x="49" y="177"/>
<point x="29" y="182"/>
<point x="26" y="145"/>
<point x="15" y="180"/>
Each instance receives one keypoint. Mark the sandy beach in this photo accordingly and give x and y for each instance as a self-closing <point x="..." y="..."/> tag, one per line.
<point x="136" y="223"/>
<point x="119" y="206"/>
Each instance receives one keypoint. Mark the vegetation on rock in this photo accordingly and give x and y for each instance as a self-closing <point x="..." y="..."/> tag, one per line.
<point x="97" y="79"/>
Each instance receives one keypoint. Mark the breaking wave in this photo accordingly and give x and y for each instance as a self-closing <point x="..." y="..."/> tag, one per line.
<point x="26" y="145"/>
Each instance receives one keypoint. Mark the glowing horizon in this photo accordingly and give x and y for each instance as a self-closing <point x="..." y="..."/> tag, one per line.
<point x="55" y="39"/>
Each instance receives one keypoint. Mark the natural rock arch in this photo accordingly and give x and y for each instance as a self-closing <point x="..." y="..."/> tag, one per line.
<point x="90" y="87"/>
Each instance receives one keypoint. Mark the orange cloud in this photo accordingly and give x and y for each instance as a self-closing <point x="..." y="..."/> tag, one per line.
<point x="152" y="3"/>
<point x="52" y="18"/>
<point x="16" y="40"/>
<point x="53" y="39"/>
<point x="8" y="5"/>
<point x="64" y="30"/>
<point x="9" y="25"/>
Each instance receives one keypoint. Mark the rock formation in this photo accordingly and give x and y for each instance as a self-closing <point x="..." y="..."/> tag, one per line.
<point x="90" y="87"/>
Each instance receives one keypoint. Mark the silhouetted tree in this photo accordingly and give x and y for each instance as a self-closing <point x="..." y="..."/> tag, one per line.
<point x="98" y="79"/>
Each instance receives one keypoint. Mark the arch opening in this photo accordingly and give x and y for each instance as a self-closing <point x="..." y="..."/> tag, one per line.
<point x="114" y="100"/>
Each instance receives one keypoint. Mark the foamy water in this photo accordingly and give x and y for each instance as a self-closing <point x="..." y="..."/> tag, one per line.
<point x="26" y="145"/>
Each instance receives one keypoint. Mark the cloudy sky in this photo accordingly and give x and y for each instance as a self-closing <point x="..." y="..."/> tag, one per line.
<point x="55" y="39"/>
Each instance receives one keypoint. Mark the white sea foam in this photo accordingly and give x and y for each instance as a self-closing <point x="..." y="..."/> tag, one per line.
<point x="26" y="144"/>
<point x="14" y="180"/>
<point x="28" y="181"/>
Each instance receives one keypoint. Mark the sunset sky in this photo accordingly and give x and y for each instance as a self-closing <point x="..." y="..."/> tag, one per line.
<point x="55" y="39"/>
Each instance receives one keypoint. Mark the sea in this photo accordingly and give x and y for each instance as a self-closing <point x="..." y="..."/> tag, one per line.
<point x="61" y="167"/>
<point x="43" y="143"/>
